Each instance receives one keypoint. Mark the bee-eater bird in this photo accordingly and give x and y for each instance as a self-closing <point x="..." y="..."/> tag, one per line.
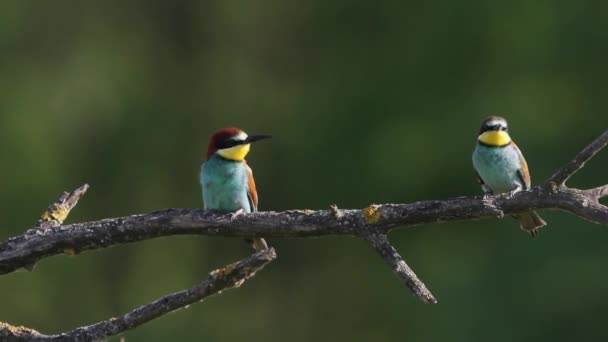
<point x="501" y="167"/>
<point x="226" y="179"/>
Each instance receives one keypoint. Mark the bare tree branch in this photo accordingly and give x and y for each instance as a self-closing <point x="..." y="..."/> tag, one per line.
<point x="36" y="244"/>
<point x="395" y="261"/>
<point x="599" y="192"/>
<point x="231" y="276"/>
<point x="568" y="170"/>
<point x="49" y="237"/>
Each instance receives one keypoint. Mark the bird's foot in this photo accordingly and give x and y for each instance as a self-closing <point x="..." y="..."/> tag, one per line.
<point x="236" y="214"/>
<point x="487" y="192"/>
<point x="509" y="195"/>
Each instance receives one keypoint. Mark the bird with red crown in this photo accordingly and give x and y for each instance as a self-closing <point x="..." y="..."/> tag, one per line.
<point x="226" y="179"/>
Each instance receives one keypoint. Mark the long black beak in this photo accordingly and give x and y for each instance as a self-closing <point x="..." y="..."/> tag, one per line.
<point x="254" y="138"/>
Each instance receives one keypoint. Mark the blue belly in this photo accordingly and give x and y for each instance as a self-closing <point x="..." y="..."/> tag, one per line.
<point x="498" y="167"/>
<point x="225" y="185"/>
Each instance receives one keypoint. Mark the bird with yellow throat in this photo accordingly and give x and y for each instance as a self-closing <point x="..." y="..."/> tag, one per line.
<point x="226" y="179"/>
<point x="501" y="167"/>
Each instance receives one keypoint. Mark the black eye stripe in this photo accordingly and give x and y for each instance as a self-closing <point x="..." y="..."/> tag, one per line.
<point x="228" y="143"/>
<point x="499" y="127"/>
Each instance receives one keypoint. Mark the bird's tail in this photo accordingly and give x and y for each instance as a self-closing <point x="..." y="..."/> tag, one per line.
<point x="531" y="222"/>
<point x="259" y="244"/>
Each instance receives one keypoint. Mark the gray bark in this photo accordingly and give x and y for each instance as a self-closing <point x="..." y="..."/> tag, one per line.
<point x="50" y="237"/>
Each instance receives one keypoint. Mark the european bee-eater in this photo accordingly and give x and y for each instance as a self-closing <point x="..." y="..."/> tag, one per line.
<point x="226" y="179"/>
<point x="502" y="168"/>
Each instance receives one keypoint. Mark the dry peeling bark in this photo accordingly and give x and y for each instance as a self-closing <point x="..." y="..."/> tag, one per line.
<point x="38" y="243"/>
<point x="219" y="280"/>
<point x="372" y="224"/>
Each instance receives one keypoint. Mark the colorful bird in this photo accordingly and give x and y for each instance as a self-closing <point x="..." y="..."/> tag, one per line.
<point x="501" y="167"/>
<point x="226" y="179"/>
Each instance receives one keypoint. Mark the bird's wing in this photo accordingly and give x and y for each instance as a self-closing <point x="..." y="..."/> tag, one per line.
<point x="484" y="187"/>
<point x="523" y="173"/>
<point x="253" y="193"/>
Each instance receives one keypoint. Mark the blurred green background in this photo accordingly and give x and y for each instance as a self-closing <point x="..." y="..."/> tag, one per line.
<point x="368" y="102"/>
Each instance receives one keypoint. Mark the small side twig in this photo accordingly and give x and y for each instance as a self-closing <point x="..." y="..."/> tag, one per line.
<point x="57" y="212"/>
<point x="563" y="174"/>
<point x="231" y="276"/>
<point x="395" y="261"/>
<point x="599" y="192"/>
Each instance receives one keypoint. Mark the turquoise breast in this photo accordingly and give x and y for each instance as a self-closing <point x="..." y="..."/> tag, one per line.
<point x="498" y="167"/>
<point x="225" y="184"/>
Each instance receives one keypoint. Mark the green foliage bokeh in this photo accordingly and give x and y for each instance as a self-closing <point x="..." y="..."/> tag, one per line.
<point x="368" y="102"/>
